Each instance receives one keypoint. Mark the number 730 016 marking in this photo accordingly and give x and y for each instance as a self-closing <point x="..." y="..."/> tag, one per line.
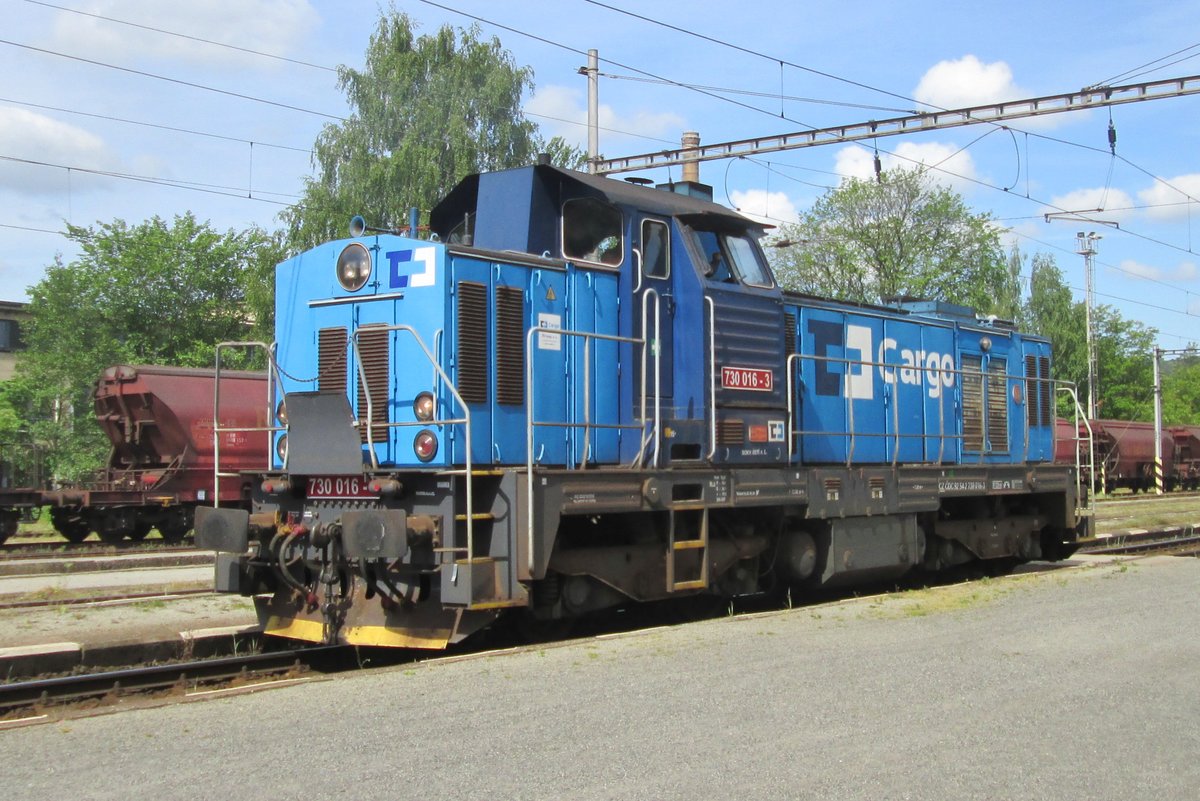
<point x="340" y="487"/>
<point x="751" y="379"/>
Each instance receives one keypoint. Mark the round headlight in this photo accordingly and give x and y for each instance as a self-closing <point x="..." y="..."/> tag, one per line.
<point x="425" y="445"/>
<point x="423" y="406"/>
<point x="281" y="449"/>
<point x="281" y="412"/>
<point x="354" y="267"/>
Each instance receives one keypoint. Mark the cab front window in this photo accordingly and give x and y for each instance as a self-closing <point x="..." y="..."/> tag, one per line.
<point x="731" y="258"/>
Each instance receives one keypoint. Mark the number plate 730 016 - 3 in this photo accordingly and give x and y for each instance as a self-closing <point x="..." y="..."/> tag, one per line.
<point x="339" y="487"/>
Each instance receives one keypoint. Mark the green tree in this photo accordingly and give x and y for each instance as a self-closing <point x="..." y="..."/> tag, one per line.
<point x="153" y="293"/>
<point x="1123" y="362"/>
<point x="1124" y="366"/>
<point x="1181" y="391"/>
<point x="424" y="112"/>
<point x="1051" y="312"/>
<point x="903" y="235"/>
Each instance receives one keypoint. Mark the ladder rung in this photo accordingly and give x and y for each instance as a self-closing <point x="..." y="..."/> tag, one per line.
<point x="477" y="560"/>
<point x="476" y="516"/>
<point x="698" y="584"/>
<point x="687" y="545"/>
<point x="449" y="550"/>
<point x="687" y="506"/>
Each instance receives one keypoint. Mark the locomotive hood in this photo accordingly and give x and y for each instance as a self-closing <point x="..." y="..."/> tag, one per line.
<point x="517" y="209"/>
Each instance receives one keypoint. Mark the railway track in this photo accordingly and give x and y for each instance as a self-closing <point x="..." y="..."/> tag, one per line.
<point x="97" y="600"/>
<point x="14" y="551"/>
<point x="34" y="700"/>
<point x="1181" y="540"/>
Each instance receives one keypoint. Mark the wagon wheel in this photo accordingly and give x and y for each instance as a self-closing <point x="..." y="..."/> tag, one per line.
<point x="75" y="529"/>
<point x="174" y="528"/>
<point x="75" y="532"/>
<point x="112" y="536"/>
<point x="8" y="525"/>
<point x="140" y="529"/>
<point x="116" y="525"/>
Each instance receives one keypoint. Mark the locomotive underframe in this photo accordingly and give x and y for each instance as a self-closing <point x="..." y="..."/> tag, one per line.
<point x="393" y="570"/>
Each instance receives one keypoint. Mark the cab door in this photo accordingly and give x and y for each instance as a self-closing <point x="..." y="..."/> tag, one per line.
<point x="653" y="316"/>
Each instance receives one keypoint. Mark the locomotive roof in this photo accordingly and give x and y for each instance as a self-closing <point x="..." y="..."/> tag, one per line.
<point x="463" y="198"/>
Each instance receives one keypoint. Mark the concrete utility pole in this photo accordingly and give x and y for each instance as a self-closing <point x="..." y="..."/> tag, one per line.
<point x="1085" y="245"/>
<point x="592" y="70"/>
<point x="1159" y="478"/>
<point x="1158" y="454"/>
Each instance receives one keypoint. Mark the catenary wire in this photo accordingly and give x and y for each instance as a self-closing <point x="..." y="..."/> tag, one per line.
<point x="178" y="81"/>
<point x="154" y="125"/>
<point x="182" y="35"/>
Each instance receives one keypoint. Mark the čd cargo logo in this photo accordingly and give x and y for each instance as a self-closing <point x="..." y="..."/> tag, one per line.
<point x="401" y="264"/>
<point x="751" y="379"/>
<point x="894" y="364"/>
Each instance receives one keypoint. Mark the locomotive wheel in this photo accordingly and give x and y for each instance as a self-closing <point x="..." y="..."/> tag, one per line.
<point x="140" y="529"/>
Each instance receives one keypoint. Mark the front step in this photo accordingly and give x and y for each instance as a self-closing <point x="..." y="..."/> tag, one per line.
<point x="688" y="519"/>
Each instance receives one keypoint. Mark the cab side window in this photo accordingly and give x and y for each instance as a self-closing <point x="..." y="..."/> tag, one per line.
<point x="656" y="249"/>
<point x="592" y="231"/>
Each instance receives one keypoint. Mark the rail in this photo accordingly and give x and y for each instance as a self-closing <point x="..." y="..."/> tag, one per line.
<point x="272" y="382"/>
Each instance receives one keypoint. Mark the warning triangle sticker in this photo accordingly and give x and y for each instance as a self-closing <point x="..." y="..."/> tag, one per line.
<point x="550" y="293"/>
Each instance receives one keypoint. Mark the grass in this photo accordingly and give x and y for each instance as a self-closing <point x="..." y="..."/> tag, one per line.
<point x="939" y="600"/>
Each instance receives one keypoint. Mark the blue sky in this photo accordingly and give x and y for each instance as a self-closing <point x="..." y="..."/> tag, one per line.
<point x="65" y="72"/>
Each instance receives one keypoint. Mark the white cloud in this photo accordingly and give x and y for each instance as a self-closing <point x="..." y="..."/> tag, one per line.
<point x="1171" y="202"/>
<point x="967" y="82"/>
<point x="771" y="208"/>
<point x="1184" y="271"/>
<point x="1136" y="269"/>
<point x="955" y="167"/>
<point x="37" y="138"/>
<point x="1093" y="205"/>
<point x="562" y="111"/>
<point x="269" y="26"/>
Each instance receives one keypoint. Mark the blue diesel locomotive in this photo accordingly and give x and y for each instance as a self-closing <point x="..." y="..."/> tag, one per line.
<point x="579" y="392"/>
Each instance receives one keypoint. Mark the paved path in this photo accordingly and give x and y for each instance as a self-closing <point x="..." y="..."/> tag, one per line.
<point x="1071" y="684"/>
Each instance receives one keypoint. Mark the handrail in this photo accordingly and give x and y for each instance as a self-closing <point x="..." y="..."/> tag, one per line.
<point x="1069" y="389"/>
<point x="272" y="383"/>
<point x="464" y="421"/>
<point x="712" y="376"/>
<point x="656" y="428"/>
<point x="896" y="436"/>
<point x="531" y="403"/>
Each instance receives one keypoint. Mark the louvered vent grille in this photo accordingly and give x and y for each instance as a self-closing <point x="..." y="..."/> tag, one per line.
<point x="472" y="342"/>
<point x="731" y="432"/>
<point x="789" y="332"/>
<point x="972" y="398"/>
<point x="331" y="360"/>
<point x="1033" y="395"/>
<point x="510" y="345"/>
<point x="373" y="351"/>
<point x="1045" y="392"/>
<point x="997" y="405"/>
